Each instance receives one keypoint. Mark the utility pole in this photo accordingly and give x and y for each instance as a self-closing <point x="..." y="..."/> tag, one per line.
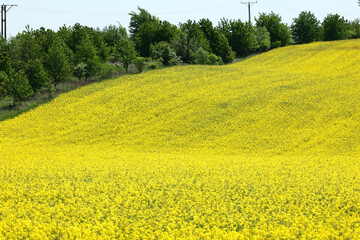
<point x="250" y="4"/>
<point x="4" y="9"/>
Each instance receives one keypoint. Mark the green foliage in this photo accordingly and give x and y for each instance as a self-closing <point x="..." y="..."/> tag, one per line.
<point x="263" y="39"/>
<point x="164" y="52"/>
<point x="80" y="70"/>
<point x="335" y="27"/>
<point x="125" y="52"/>
<point x="5" y="61"/>
<point x="108" y="70"/>
<point x="212" y="59"/>
<point x="280" y="33"/>
<point x="111" y="35"/>
<point x="154" y="32"/>
<point x="86" y="53"/>
<point x="56" y="64"/>
<point x="241" y="36"/>
<point x="218" y="43"/>
<point x="152" y="65"/>
<point x="189" y="40"/>
<point x="17" y="86"/>
<point x="201" y="56"/>
<point x="25" y="47"/>
<point x="139" y="63"/>
<point x="138" y="19"/>
<point x="306" y="28"/>
<point x="36" y="75"/>
<point x="354" y="29"/>
<point x="4" y="78"/>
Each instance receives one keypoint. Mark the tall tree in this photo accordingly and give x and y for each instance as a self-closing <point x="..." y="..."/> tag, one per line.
<point x="280" y="33"/>
<point x="56" y="64"/>
<point x="154" y="32"/>
<point x="36" y="75"/>
<point x="86" y="53"/>
<point x="125" y="52"/>
<point x="218" y="42"/>
<point x="17" y="86"/>
<point x="335" y="27"/>
<point x="241" y="36"/>
<point x="138" y="19"/>
<point x="306" y="28"/>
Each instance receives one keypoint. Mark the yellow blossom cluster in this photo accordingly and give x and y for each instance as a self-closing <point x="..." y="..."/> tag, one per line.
<point x="267" y="148"/>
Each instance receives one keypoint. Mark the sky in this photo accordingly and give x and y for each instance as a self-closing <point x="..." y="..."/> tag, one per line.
<point x="100" y="13"/>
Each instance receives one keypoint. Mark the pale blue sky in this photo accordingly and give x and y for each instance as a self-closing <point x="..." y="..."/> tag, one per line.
<point x="96" y="13"/>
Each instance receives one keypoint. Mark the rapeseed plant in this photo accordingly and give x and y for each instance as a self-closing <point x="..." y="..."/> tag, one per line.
<point x="265" y="148"/>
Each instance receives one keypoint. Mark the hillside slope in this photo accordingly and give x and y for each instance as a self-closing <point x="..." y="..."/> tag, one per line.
<point x="299" y="99"/>
<point x="263" y="149"/>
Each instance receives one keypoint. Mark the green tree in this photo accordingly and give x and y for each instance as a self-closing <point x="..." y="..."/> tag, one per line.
<point x="25" y="47"/>
<point x="335" y="27"/>
<point x="125" y="52"/>
<point x="111" y="35"/>
<point x="218" y="42"/>
<point x="138" y="19"/>
<point x="263" y="39"/>
<point x="241" y="36"/>
<point x="4" y="78"/>
<point x="201" y="56"/>
<point x="86" y="53"/>
<point x="154" y="32"/>
<point x="354" y="28"/>
<point x="57" y="64"/>
<point x="280" y="33"/>
<point x="139" y="63"/>
<point x="189" y="40"/>
<point x="164" y="52"/>
<point x="36" y="75"/>
<point x="306" y="28"/>
<point x="17" y="86"/>
<point x="5" y="61"/>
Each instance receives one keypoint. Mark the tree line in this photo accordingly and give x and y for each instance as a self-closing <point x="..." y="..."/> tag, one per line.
<point x="38" y="60"/>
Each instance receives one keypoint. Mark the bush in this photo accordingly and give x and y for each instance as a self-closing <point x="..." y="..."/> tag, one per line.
<point x="153" y="65"/>
<point x="335" y="28"/>
<point x="201" y="56"/>
<point x="164" y="52"/>
<point x="212" y="59"/>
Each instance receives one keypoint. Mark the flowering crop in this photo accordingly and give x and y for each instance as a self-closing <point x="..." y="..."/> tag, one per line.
<point x="265" y="148"/>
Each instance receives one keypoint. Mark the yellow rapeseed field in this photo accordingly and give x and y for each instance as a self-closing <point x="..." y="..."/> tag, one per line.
<point x="267" y="148"/>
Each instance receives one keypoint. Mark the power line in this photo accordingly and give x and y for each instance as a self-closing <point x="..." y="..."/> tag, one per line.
<point x="4" y="9"/>
<point x="250" y="4"/>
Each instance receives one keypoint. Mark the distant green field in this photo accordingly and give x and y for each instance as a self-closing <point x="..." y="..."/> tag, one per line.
<point x="264" y="148"/>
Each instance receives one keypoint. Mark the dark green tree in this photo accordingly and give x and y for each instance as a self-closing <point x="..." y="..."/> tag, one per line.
<point x="164" y="52"/>
<point x="153" y="32"/>
<point x="36" y="75"/>
<point x="138" y="19"/>
<point x="280" y="33"/>
<point x="241" y="36"/>
<point x="189" y="40"/>
<point x="25" y="47"/>
<point x="263" y="39"/>
<point x="17" y="86"/>
<point x="335" y="27"/>
<point x="306" y="28"/>
<point x="354" y="28"/>
<point x="5" y="61"/>
<point x="4" y="78"/>
<point x="125" y="52"/>
<point x="57" y="64"/>
<point x="111" y="35"/>
<point x="218" y="42"/>
<point x="86" y="53"/>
